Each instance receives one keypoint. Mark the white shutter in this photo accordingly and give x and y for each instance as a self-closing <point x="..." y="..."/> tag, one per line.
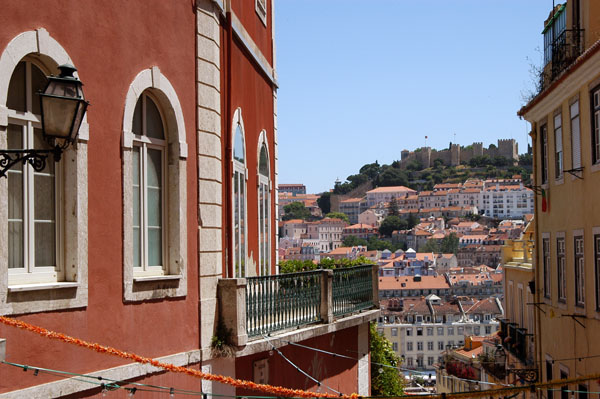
<point x="558" y="132"/>
<point x="575" y="136"/>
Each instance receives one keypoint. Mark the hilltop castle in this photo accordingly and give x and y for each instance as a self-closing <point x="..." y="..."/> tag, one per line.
<point x="456" y="154"/>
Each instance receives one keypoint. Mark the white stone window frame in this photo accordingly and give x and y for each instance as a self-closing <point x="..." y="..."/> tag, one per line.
<point x="28" y="122"/>
<point x="260" y="6"/>
<point x="264" y="181"/>
<point x="172" y="281"/>
<point x="144" y="144"/>
<point x="41" y="297"/>
<point x="238" y="167"/>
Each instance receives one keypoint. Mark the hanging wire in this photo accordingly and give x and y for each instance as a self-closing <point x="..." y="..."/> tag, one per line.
<point x="120" y="384"/>
<point x="319" y="383"/>
<point x="394" y="367"/>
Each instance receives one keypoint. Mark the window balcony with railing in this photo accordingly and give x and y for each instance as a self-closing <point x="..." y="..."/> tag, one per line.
<point x="560" y="53"/>
<point x="516" y="340"/>
<point x="255" y="307"/>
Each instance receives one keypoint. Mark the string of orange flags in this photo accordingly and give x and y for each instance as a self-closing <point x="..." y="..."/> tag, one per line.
<point x="250" y="385"/>
<point x="282" y="391"/>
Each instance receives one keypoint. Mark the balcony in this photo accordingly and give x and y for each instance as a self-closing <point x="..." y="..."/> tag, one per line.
<point x="254" y="307"/>
<point x="562" y="52"/>
<point x="518" y="253"/>
<point x="515" y="340"/>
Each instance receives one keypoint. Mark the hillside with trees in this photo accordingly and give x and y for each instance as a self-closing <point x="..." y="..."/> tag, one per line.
<point x="421" y="179"/>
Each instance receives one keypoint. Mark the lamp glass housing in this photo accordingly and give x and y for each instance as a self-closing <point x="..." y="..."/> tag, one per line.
<point x="63" y="106"/>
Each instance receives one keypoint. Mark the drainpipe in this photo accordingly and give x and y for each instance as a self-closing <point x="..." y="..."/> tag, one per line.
<point x="536" y="252"/>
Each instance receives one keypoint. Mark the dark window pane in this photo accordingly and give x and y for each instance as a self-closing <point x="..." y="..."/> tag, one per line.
<point x="38" y="83"/>
<point x="154" y="126"/>
<point x="16" y="89"/>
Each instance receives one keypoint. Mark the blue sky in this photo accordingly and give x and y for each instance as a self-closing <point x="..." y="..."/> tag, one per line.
<point x="360" y="80"/>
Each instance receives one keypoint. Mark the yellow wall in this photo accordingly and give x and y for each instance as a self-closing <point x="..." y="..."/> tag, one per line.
<point x="573" y="207"/>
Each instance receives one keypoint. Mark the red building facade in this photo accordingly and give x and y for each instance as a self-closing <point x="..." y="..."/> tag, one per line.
<point x="162" y="211"/>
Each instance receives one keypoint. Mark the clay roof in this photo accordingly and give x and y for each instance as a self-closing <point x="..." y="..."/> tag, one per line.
<point x="487" y="305"/>
<point x="359" y="226"/>
<point x="340" y="251"/>
<point x="294" y="221"/>
<point x="351" y="200"/>
<point x="473" y="353"/>
<point x="392" y="189"/>
<point x="427" y="282"/>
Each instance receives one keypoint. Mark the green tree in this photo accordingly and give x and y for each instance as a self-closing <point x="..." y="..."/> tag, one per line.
<point x="413" y="220"/>
<point x="525" y="160"/>
<point x="449" y="244"/>
<point x="353" y="241"/>
<point x="324" y="202"/>
<point x="438" y="164"/>
<point x="296" y="210"/>
<point x="414" y="165"/>
<point x="390" y="224"/>
<point x="385" y="375"/>
<point x="392" y="177"/>
<point x="371" y="170"/>
<point x="431" y="246"/>
<point x="357" y="180"/>
<point x="393" y="208"/>
<point x="338" y="215"/>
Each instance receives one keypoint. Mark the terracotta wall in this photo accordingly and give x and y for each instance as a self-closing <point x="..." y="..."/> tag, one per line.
<point x="110" y="42"/>
<point x="342" y="373"/>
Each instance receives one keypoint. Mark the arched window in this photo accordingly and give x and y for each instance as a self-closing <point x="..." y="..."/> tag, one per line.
<point x="44" y="247"/>
<point x="154" y="190"/>
<point x="33" y="228"/>
<point x="239" y="197"/>
<point x="264" y="208"/>
<point x="148" y="182"/>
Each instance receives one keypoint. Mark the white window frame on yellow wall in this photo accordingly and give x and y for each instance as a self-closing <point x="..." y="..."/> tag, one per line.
<point x="264" y="205"/>
<point x="239" y="191"/>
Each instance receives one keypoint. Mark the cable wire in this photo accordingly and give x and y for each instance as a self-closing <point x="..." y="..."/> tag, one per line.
<point x="298" y="368"/>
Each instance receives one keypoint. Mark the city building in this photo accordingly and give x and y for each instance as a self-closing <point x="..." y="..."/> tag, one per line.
<point x="421" y="329"/>
<point x="564" y="118"/>
<point x="363" y="231"/>
<point x="505" y="201"/>
<point x="353" y="207"/>
<point x="293" y="189"/>
<point x="385" y="194"/>
<point x="155" y="233"/>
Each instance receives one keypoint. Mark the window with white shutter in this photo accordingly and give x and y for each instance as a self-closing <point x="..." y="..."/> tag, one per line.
<point x="575" y="136"/>
<point x="558" y="151"/>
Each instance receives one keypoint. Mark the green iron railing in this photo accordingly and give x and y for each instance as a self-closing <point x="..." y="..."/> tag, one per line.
<point x="282" y="301"/>
<point x="352" y="289"/>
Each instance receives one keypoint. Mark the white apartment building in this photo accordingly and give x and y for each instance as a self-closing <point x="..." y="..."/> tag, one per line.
<point x="504" y="201"/>
<point x="420" y="329"/>
<point x="470" y="197"/>
<point x="329" y="233"/>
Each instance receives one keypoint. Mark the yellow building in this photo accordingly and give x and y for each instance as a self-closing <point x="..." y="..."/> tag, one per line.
<point x="565" y="120"/>
<point x="512" y="361"/>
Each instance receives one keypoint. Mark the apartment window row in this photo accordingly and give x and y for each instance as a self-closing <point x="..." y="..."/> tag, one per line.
<point x="577" y="267"/>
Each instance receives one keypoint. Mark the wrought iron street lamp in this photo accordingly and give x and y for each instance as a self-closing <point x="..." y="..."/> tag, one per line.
<point x="63" y="107"/>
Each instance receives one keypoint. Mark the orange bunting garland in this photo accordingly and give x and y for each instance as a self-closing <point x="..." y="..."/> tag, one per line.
<point x="277" y="391"/>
